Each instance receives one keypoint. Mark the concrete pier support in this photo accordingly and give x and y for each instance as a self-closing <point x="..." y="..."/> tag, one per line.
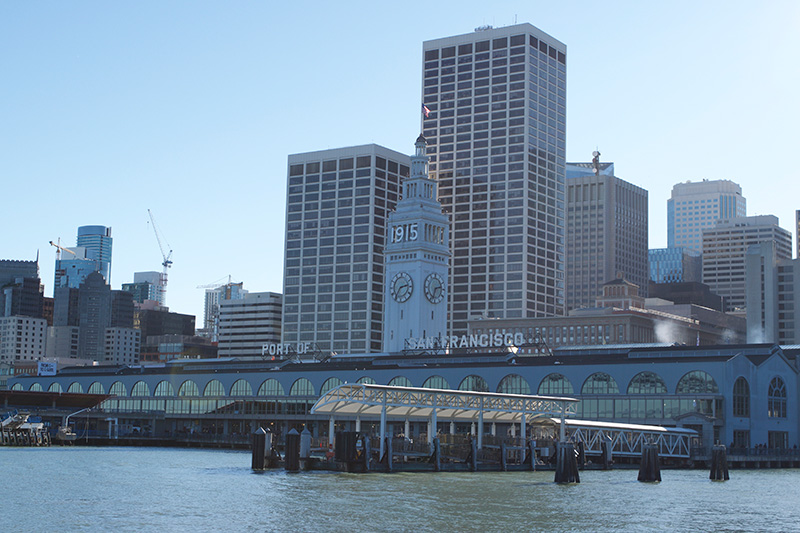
<point x="305" y="449"/>
<point x="566" y="464"/>
<point x="331" y="431"/>
<point x="650" y="467"/>
<point x="436" y="455"/>
<point x="503" y="457"/>
<point x="292" y="455"/>
<point x="259" y="449"/>
<point x="719" y="463"/>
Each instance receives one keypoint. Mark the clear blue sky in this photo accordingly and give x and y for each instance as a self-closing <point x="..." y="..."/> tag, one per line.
<point x="191" y="108"/>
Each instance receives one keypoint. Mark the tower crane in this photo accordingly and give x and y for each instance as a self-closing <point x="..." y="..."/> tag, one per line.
<point x="61" y="249"/>
<point x="167" y="257"/>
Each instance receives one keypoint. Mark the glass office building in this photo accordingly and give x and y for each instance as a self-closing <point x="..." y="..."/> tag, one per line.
<point x="494" y="117"/>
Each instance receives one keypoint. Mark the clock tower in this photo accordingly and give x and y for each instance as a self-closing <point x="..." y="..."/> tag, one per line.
<point x="416" y="256"/>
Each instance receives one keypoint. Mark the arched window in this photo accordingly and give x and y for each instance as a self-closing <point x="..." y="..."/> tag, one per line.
<point x="474" y="383"/>
<point x="697" y="382"/>
<point x="96" y="388"/>
<point x="330" y="383"/>
<point x="241" y="387"/>
<point x="436" y="382"/>
<point x="776" y="399"/>
<point x="140" y="389"/>
<point x="55" y="387"/>
<point x="600" y="383"/>
<point x="36" y="387"/>
<point x="514" y="384"/>
<point x="164" y="388"/>
<point x="555" y="385"/>
<point x="400" y="381"/>
<point x="18" y="386"/>
<point x="118" y="389"/>
<point x="647" y="383"/>
<point x="75" y="387"/>
<point x="302" y="387"/>
<point x="366" y="380"/>
<point x="188" y="388"/>
<point x="741" y="398"/>
<point x="271" y="387"/>
<point x="214" y="388"/>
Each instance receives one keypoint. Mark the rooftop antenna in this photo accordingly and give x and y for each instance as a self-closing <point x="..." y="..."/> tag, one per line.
<point x="596" y="162"/>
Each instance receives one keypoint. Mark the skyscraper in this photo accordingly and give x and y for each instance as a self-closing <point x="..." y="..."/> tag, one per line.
<point x="725" y="249"/>
<point x="695" y="206"/>
<point x="97" y="241"/>
<point x="248" y="323"/>
<point x="606" y="232"/>
<point x="337" y="206"/>
<point x="773" y="296"/>
<point x="494" y="119"/>
<point x="92" y="254"/>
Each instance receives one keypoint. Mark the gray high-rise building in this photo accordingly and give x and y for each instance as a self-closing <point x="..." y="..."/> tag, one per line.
<point x="773" y="296"/>
<point x="724" y="252"/>
<point x="494" y="116"/>
<point x="606" y="232"/>
<point x="337" y="207"/>
<point x="696" y="206"/>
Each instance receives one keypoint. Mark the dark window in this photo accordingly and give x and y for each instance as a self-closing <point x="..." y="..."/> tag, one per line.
<point x="482" y="46"/>
<point x="431" y="55"/>
<point x="500" y="43"/>
<point x="465" y="49"/>
<point x="449" y="51"/>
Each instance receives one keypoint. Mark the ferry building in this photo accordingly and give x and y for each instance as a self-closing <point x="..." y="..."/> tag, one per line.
<point x="743" y="395"/>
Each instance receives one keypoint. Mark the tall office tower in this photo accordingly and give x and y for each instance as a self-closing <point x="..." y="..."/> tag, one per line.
<point x="97" y="241"/>
<point x="496" y="106"/>
<point x="675" y="265"/>
<point x="23" y="297"/>
<point x="725" y="248"/>
<point x="695" y="206"/>
<point x="606" y="232"/>
<point x="338" y="202"/>
<point x="797" y="233"/>
<point x="213" y="297"/>
<point x="247" y="324"/>
<point x="94" y="316"/>
<point x="773" y="296"/>
<point x="417" y="257"/>
<point x="146" y="286"/>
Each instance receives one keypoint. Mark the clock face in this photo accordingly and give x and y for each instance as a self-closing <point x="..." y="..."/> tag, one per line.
<point x="434" y="288"/>
<point x="402" y="287"/>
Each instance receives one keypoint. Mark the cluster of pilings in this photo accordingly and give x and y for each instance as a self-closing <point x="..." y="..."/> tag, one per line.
<point x="24" y="437"/>
<point x="353" y="453"/>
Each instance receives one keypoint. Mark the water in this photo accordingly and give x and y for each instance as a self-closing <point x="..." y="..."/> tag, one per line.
<point x="147" y="489"/>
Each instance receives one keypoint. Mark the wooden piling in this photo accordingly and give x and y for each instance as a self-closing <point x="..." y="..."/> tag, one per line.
<point x="259" y="449"/>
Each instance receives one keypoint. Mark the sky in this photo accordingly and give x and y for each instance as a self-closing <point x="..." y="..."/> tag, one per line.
<point x="190" y="109"/>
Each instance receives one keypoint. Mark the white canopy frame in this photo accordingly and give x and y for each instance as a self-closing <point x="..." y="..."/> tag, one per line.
<point x="404" y="403"/>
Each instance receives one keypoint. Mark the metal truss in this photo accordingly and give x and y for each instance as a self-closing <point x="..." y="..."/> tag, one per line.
<point x="627" y="440"/>
<point x="356" y="399"/>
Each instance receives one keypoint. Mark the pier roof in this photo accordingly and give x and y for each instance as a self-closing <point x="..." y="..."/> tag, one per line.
<point x="358" y="399"/>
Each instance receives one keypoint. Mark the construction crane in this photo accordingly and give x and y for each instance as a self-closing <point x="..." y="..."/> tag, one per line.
<point x="167" y="257"/>
<point x="62" y="249"/>
<point x="218" y="283"/>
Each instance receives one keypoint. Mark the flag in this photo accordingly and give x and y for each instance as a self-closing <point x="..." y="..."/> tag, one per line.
<point x="425" y="110"/>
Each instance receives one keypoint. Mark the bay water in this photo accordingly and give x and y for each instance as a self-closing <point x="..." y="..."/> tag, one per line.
<point x="162" y="489"/>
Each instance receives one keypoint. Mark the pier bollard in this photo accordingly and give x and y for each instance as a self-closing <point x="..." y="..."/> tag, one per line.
<point x="436" y="455"/>
<point x="473" y="455"/>
<point x="305" y="448"/>
<point x="259" y="449"/>
<point x="292" y="455"/>
<point x="605" y="450"/>
<point x="566" y="464"/>
<point x="649" y="468"/>
<point x="532" y="454"/>
<point x="387" y="454"/>
<point x="719" y="463"/>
